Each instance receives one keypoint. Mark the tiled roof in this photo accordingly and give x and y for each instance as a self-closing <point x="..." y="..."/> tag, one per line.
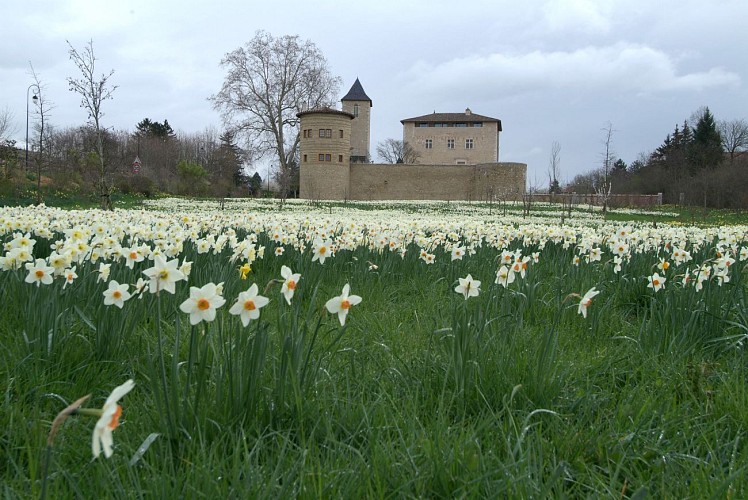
<point x="452" y="118"/>
<point x="357" y="93"/>
<point x="329" y="111"/>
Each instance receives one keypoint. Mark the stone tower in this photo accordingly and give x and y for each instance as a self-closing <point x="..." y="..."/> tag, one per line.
<point x="358" y="104"/>
<point x="325" y="146"/>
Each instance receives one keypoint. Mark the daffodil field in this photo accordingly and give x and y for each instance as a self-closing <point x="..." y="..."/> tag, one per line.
<point x="250" y="348"/>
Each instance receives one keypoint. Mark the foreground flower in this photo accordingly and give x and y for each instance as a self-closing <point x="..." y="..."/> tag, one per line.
<point x="342" y="303"/>
<point x="248" y="305"/>
<point x="39" y="272"/>
<point x="163" y="274"/>
<point x="116" y="294"/>
<point x="202" y="304"/>
<point x="289" y="283"/>
<point x="109" y="420"/>
<point x="468" y="287"/>
<point x="587" y="301"/>
<point x="656" y="282"/>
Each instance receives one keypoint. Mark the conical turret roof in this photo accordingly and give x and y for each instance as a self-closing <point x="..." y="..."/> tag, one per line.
<point x="357" y="93"/>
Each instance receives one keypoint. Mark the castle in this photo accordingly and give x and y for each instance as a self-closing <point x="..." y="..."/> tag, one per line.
<point x="458" y="157"/>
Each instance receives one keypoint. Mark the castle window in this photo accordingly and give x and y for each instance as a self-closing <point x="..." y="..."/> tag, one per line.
<point x="304" y="158"/>
<point x="327" y="158"/>
<point x="460" y="124"/>
<point x="321" y="157"/>
<point x="422" y="125"/>
<point x="450" y="143"/>
<point x="340" y="158"/>
<point x="429" y="143"/>
<point x="341" y="134"/>
<point x="355" y="110"/>
<point x="477" y="124"/>
<point x="468" y="144"/>
<point x="325" y="132"/>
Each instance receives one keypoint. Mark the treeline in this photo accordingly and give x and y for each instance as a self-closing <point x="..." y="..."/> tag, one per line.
<point x="201" y="164"/>
<point x="701" y="162"/>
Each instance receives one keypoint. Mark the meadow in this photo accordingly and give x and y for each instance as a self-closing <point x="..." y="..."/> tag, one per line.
<point x="248" y="349"/>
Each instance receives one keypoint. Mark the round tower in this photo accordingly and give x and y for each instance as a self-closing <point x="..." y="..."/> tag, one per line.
<point x="358" y="104"/>
<point x="325" y="148"/>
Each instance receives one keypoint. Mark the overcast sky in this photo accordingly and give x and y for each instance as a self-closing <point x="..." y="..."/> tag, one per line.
<point x="549" y="70"/>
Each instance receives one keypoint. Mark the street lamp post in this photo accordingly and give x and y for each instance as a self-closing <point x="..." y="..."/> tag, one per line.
<point x="36" y="94"/>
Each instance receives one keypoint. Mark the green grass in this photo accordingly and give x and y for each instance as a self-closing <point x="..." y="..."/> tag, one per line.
<point x="422" y="394"/>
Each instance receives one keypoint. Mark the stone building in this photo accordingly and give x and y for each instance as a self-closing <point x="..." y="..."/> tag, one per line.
<point x="453" y="138"/>
<point x="458" y="157"/>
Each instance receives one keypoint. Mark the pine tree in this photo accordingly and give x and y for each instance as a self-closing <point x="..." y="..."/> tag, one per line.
<point x="706" y="147"/>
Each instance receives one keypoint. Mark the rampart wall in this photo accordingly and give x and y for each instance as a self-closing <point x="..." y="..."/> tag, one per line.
<point x="436" y="182"/>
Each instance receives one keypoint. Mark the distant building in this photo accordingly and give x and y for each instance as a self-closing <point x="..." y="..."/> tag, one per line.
<point x="453" y="138"/>
<point x="458" y="156"/>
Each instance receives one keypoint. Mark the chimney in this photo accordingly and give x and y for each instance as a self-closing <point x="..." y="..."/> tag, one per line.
<point x="467" y="111"/>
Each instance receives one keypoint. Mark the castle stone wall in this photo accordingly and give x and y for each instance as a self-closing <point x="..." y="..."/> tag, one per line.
<point x="436" y="182"/>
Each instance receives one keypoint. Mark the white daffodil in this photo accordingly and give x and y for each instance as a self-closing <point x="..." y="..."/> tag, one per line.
<point x="468" y="287"/>
<point x="248" y="305"/>
<point x="109" y="420"/>
<point x="587" y="301"/>
<point x="290" y="281"/>
<point x="341" y="304"/>
<point x="39" y="272"/>
<point x="202" y="303"/>
<point x="116" y="294"/>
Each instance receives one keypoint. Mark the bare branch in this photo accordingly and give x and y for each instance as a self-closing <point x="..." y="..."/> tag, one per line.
<point x="269" y="80"/>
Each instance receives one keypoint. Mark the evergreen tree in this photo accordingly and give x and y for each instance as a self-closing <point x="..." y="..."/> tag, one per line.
<point x="255" y="184"/>
<point x="706" y="147"/>
<point x="148" y="128"/>
<point x="229" y="160"/>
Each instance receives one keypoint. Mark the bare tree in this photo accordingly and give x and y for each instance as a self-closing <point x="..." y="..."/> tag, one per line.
<point x="42" y="107"/>
<point x="94" y="90"/>
<point x="394" y="151"/>
<point x="603" y="186"/>
<point x="554" y="168"/>
<point x="734" y="136"/>
<point x="269" y="81"/>
<point x="7" y="127"/>
<point x="8" y="153"/>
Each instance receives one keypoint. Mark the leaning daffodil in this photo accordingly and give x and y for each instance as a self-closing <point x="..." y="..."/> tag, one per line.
<point x="587" y="301"/>
<point x="108" y="420"/>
